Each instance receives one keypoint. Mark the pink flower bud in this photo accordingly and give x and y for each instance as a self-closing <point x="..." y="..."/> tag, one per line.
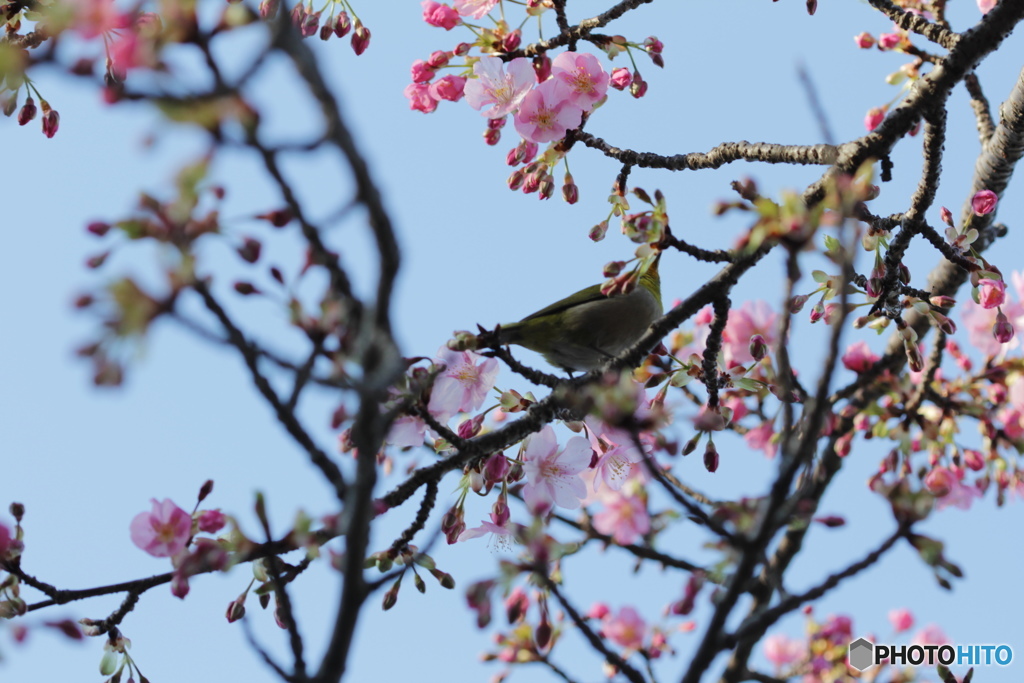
<point x="864" y="40"/>
<point x="236" y="609"/>
<point x="711" y="457"/>
<point x="27" y="113"/>
<point x="974" y="459"/>
<point x="542" y="67"/>
<point x="874" y="117"/>
<point x="342" y="24"/>
<point x="984" y="202"/>
<point x="516" y="180"/>
<point x="620" y="78"/>
<point x="888" y="41"/>
<point x="437" y="59"/>
<point x="360" y="38"/>
<point x="570" y="191"/>
<point x="598" y="232"/>
<point x="947" y="216"/>
<point x="1002" y="330"/>
<point x="638" y="88"/>
<point x="758" y="347"/>
<point x="492" y="136"/>
<point x="439" y="15"/>
<point x="991" y="293"/>
<point x="511" y="41"/>
<point x="51" y="121"/>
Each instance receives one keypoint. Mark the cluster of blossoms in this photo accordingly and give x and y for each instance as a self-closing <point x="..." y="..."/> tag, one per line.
<point x="545" y="97"/>
<point x="820" y="657"/>
<point x="168" y="531"/>
<point x="899" y="40"/>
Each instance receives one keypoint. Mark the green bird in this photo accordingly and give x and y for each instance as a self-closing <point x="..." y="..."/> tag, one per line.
<point x="584" y="330"/>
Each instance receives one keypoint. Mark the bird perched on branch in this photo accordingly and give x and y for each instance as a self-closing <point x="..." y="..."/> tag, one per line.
<point x="585" y="329"/>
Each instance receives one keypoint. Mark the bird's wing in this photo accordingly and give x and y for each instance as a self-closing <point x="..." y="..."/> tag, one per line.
<point x="592" y="293"/>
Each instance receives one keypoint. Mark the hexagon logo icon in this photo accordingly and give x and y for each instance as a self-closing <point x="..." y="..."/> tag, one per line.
<point x="861" y="654"/>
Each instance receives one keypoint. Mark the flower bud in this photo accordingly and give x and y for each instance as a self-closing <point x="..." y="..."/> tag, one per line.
<point x="28" y="112"/>
<point x="638" y="88"/>
<point x="711" y="457"/>
<point x="570" y="191"/>
<point x="360" y="38"/>
<point x="511" y="41"/>
<point x="864" y="40"/>
<point x="1002" y="330"/>
<point x="758" y="347"/>
<point x="236" y="609"/>
<point x="342" y="24"/>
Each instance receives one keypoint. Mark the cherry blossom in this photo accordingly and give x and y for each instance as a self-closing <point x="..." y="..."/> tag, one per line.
<point x="624" y="518"/>
<point x="781" y="650"/>
<point x="474" y="8"/>
<point x="858" y="357"/>
<point x="901" y="619"/>
<point x="500" y="84"/>
<point x="753" y="317"/>
<point x="163" y="531"/>
<point x="986" y="5"/>
<point x="448" y="87"/>
<point x="420" y="98"/>
<point x="583" y="74"/>
<point x="406" y="431"/>
<point x="463" y="385"/>
<point x="552" y="475"/>
<point x="546" y="112"/>
<point x="627" y="628"/>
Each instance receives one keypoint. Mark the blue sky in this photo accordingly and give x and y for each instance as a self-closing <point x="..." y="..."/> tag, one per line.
<point x="85" y="461"/>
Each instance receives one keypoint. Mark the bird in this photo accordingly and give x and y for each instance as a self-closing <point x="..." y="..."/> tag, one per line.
<point x="585" y="329"/>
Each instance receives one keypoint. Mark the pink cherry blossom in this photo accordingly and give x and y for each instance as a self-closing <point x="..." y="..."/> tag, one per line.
<point x="552" y="476"/>
<point x="448" y="87"/>
<point x="582" y="72"/>
<point x="419" y="97"/>
<point x="946" y="485"/>
<point x="858" y="357"/>
<point x="406" y="431"/>
<point x="502" y="535"/>
<point x="901" y="619"/>
<point x="500" y="84"/>
<point x="96" y="17"/>
<point x="624" y="518"/>
<point x="163" y="531"/>
<point x="627" y="629"/>
<point x="546" y="112"/>
<point x="760" y="438"/>
<point x="984" y="202"/>
<point x="991" y="293"/>
<point x="986" y="5"/>
<point x="753" y="317"/>
<point x="474" y="8"/>
<point x="621" y="78"/>
<point x="979" y="322"/>
<point x="436" y="14"/>
<point x="463" y="385"/>
<point x="781" y="650"/>
<point x="874" y="117"/>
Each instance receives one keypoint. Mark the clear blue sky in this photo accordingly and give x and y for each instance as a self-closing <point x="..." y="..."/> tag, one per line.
<point x="85" y="461"/>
